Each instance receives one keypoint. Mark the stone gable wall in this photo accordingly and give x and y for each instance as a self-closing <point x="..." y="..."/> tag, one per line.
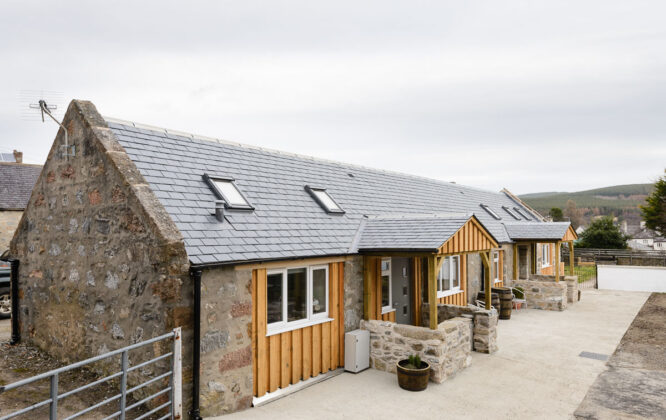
<point x="447" y="349"/>
<point x="102" y="265"/>
<point x="226" y="340"/>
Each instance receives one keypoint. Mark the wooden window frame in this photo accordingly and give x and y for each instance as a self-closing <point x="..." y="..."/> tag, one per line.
<point x="311" y="318"/>
<point x="389" y="308"/>
<point x="440" y="278"/>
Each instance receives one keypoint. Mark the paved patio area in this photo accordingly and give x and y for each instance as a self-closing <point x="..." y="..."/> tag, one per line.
<point x="537" y="373"/>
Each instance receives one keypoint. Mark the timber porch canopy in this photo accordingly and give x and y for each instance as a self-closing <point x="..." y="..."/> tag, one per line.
<point x="430" y="237"/>
<point x="522" y="233"/>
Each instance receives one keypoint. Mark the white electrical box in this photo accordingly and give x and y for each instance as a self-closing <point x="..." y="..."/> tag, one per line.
<point x="357" y="350"/>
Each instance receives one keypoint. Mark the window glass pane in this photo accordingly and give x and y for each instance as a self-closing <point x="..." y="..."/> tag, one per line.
<point x="230" y="193"/>
<point x="454" y="273"/>
<point x="318" y="291"/>
<point x="297" y="291"/>
<point x="326" y="200"/>
<point x="274" y="298"/>
<point x="386" y="285"/>
<point x="446" y="274"/>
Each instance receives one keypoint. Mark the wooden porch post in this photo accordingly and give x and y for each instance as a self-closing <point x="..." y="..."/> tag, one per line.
<point x="557" y="261"/>
<point x="515" y="261"/>
<point x="571" y="258"/>
<point x="485" y="257"/>
<point x="432" y="291"/>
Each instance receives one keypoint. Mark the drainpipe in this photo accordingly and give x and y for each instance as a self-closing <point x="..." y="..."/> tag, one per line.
<point x="195" y="275"/>
<point x="14" y="294"/>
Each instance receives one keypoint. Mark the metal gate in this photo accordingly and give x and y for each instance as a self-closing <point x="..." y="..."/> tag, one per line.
<point x="173" y="407"/>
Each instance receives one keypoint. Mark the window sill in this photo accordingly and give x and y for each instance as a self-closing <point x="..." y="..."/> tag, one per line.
<point x="297" y="326"/>
<point x="448" y="293"/>
<point x="497" y="281"/>
<point x="546" y="266"/>
<point x="387" y="311"/>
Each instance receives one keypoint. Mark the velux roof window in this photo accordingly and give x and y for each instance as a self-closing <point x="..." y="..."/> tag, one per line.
<point x="520" y="212"/>
<point x="324" y="200"/>
<point x="490" y="211"/>
<point x="512" y="214"/>
<point x="226" y="190"/>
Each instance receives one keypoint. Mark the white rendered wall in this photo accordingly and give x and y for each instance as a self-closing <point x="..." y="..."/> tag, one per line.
<point x="634" y="278"/>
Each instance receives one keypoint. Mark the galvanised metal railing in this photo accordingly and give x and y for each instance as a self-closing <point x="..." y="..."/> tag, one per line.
<point x="173" y="390"/>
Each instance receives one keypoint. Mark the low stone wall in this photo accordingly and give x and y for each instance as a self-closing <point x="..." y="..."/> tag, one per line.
<point x="546" y="295"/>
<point x="570" y="281"/>
<point x="447" y="349"/>
<point x="484" y="327"/>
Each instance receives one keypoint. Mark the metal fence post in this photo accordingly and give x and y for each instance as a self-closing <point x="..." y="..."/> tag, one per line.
<point x="177" y="377"/>
<point x="123" y="385"/>
<point x="53" y="415"/>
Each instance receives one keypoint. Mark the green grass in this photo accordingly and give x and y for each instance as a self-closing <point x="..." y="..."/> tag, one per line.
<point x="584" y="272"/>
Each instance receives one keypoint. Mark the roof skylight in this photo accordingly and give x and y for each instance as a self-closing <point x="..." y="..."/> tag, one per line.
<point x="520" y="212"/>
<point x="490" y="211"/>
<point x="324" y="200"/>
<point x="512" y="214"/>
<point x="226" y="190"/>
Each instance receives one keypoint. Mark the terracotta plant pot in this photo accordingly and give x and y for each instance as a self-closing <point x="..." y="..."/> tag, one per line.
<point x="413" y="379"/>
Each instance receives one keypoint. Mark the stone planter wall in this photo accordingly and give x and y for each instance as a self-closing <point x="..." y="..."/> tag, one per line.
<point x="484" y="326"/>
<point x="571" y="282"/>
<point x="546" y="295"/>
<point x="447" y="349"/>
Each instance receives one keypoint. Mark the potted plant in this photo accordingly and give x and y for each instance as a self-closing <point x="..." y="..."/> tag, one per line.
<point x="413" y="373"/>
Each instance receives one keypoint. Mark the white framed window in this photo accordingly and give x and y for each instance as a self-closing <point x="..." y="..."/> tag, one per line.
<point x="324" y="199"/>
<point x="226" y="189"/>
<point x="496" y="267"/>
<point x="545" y="255"/>
<point x="386" y="285"/>
<point x="296" y="297"/>
<point x="448" y="278"/>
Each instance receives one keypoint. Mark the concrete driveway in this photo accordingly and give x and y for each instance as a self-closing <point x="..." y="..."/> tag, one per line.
<point x="537" y="373"/>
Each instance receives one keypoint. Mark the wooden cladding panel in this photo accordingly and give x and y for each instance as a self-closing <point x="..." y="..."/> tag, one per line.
<point x="287" y="358"/>
<point x="389" y="316"/>
<point x="471" y="237"/>
<point x="570" y="235"/>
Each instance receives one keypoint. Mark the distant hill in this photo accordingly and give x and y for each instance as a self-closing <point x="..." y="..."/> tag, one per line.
<point x="617" y="200"/>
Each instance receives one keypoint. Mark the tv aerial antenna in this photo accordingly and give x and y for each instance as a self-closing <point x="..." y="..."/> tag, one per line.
<point x="48" y="109"/>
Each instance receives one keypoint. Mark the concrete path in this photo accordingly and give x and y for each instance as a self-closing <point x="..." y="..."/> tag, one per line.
<point x="634" y="384"/>
<point x="537" y="373"/>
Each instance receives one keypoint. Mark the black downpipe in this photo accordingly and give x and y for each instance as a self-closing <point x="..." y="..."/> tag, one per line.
<point x="195" y="274"/>
<point x="14" y="293"/>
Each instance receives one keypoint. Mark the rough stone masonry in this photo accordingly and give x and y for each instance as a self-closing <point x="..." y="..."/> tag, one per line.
<point x="448" y="349"/>
<point x="102" y="264"/>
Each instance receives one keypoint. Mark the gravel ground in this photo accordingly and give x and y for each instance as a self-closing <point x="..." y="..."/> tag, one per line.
<point x="22" y="361"/>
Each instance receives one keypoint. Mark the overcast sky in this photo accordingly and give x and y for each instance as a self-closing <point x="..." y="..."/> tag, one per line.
<point x="528" y="95"/>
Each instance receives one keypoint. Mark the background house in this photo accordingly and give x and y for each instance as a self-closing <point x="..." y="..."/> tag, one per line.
<point x="16" y="182"/>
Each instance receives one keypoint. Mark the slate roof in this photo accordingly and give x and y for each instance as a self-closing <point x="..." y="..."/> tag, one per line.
<point x="535" y="231"/>
<point x="286" y="222"/>
<point x="409" y="232"/>
<point x="16" y="183"/>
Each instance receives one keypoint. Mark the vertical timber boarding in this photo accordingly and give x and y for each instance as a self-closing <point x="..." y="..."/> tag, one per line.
<point x="287" y="358"/>
<point x="372" y="291"/>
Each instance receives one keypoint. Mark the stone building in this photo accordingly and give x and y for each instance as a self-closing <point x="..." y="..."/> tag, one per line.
<point x="289" y="253"/>
<point x="16" y="182"/>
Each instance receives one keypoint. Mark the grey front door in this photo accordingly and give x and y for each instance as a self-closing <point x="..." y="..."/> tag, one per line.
<point x="401" y="290"/>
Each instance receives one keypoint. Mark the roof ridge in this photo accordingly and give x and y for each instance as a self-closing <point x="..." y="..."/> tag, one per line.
<point x="285" y="153"/>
